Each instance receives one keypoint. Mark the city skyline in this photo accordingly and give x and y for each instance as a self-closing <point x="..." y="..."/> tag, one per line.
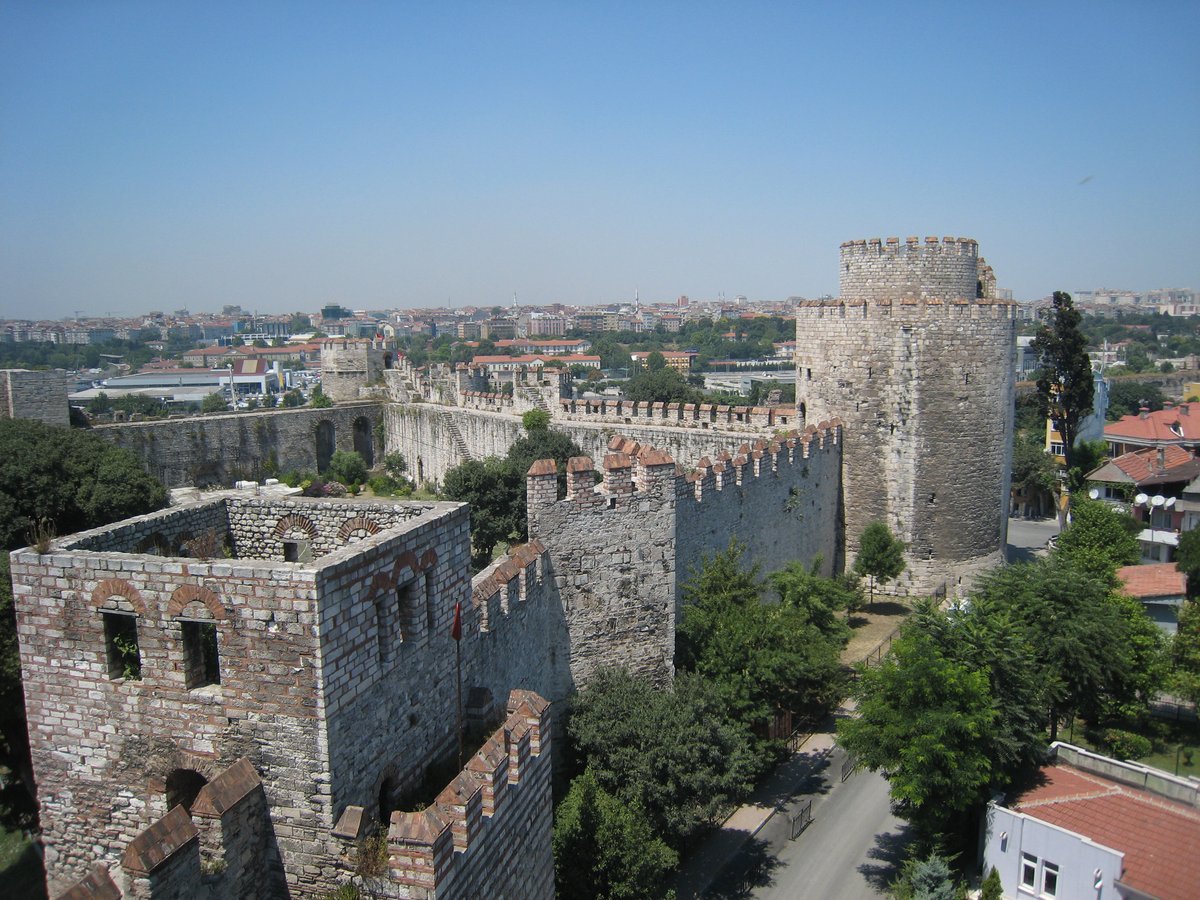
<point x="291" y="155"/>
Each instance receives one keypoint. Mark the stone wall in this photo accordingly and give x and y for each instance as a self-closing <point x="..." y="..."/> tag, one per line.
<point x="882" y="270"/>
<point x="436" y="438"/>
<point x="105" y="745"/>
<point x="621" y="550"/>
<point x="779" y="498"/>
<point x="350" y="364"/>
<point x="221" y="449"/>
<point x="463" y="844"/>
<point x="40" y="395"/>
<point x="337" y="675"/>
<point x="925" y="393"/>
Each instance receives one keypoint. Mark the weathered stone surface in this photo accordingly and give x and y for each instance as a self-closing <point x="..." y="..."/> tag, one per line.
<point x="921" y="374"/>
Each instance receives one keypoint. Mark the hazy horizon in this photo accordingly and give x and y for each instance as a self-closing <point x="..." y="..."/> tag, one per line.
<point x="281" y="156"/>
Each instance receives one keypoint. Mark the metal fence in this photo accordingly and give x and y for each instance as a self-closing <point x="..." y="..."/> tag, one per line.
<point x="849" y="766"/>
<point x="799" y="818"/>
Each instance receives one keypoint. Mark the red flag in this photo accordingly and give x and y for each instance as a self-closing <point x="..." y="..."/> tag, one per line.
<point x="456" y="629"/>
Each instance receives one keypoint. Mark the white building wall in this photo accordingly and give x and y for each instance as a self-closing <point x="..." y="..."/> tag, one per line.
<point x="1008" y="835"/>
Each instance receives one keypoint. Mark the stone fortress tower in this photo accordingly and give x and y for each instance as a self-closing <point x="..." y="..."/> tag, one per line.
<point x="348" y="364"/>
<point x="917" y="359"/>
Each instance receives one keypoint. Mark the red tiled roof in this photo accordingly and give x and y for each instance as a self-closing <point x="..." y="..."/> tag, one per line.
<point x="1156" y="427"/>
<point x="526" y="360"/>
<point x="1153" y="580"/>
<point x="1159" y="837"/>
<point x="1141" y="466"/>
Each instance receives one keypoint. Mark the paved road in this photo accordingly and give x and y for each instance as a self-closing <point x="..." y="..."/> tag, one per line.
<point x="1026" y="536"/>
<point x="848" y="852"/>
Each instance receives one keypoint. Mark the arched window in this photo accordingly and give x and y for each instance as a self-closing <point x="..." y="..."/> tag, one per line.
<point x="183" y="785"/>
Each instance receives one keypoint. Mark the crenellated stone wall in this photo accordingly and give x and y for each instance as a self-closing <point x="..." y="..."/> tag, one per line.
<point x="621" y="550"/>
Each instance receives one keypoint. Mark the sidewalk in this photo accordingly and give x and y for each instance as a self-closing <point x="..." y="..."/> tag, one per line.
<point x="707" y="861"/>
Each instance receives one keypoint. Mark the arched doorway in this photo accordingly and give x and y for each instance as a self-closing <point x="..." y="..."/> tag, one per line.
<point x="325" y="443"/>
<point x="387" y="790"/>
<point x="363" y="443"/>
<point x="183" y="785"/>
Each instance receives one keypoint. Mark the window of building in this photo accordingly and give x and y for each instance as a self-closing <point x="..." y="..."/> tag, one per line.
<point x="121" y="646"/>
<point x="1049" y="879"/>
<point x="202" y="665"/>
<point x="1028" y="871"/>
<point x="1056" y="448"/>
<point x="297" y="551"/>
<point x="406" y="599"/>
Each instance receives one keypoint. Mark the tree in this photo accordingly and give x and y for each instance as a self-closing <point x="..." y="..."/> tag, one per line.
<point x="763" y="657"/>
<point x="1065" y="385"/>
<point x="535" y="420"/>
<point x="214" y="403"/>
<point x="675" y="754"/>
<point x="348" y="467"/>
<point x="928" y="878"/>
<point x="1100" y="539"/>
<point x="292" y="398"/>
<point x="661" y="386"/>
<point x="926" y="719"/>
<point x="818" y="598"/>
<point x="1187" y="559"/>
<point x="656" y="362"/>
<point x="1033" y="469"/>
<point x="489" y="486"/>
<point x="1126" y="398"/>
<point x="1185" y="653"/>
<point x="1086" y="649"/>
<point x="880" y="555"/>
<point x="993" y="889"/>
<point x="605" y="848"/>
<point x="319" y="399"/>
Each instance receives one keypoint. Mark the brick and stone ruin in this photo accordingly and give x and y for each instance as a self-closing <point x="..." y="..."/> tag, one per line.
<point x="255" y="696"/>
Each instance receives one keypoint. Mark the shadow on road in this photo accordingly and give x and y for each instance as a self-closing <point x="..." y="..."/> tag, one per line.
<point x="1021" y="554"/>
<point x="752" y="869"/>
<point x="888" y="854"/>
<point x="777" y="792"/>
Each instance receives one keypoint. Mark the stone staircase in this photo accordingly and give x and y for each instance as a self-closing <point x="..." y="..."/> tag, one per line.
<point x="534" y="398"/>
<point x="456" y="438"/>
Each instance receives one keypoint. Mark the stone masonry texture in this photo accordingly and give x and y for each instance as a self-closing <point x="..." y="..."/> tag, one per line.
<point x="921" y="373"/>
<point x="338" y="672"/>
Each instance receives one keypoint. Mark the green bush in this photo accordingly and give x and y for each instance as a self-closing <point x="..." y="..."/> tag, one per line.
<point x="348" y="467"/>
<point x="386" y="486"/>
<point x="1126" y="744"/>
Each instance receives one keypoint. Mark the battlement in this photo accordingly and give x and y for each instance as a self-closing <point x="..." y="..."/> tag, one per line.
<point x="485" y="400"/>
<point x="877" y="269"/>
<point x="633" y="469"/>
<point x="461" y="844"/>
<point x="677" y="415"/>
<point x="879" y="246"/>
<point x="506" y="582"/>
<point x="909" y="307"/>
<point x="218" y="848"/>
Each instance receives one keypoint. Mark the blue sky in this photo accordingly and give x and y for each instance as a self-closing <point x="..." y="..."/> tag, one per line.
<point x="285" y="155"/>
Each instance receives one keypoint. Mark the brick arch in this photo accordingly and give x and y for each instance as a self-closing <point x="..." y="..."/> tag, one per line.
<point x="406" y="560"/>
<point x="295" y="522"/>
<point x="186" y="593"/>
<point x="429" y="559"/>
<point x="359" y="526"/>
<point x="118" y="587"/>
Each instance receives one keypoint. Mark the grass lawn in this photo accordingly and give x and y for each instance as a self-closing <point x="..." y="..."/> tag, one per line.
<point x="1170" y="746"/>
